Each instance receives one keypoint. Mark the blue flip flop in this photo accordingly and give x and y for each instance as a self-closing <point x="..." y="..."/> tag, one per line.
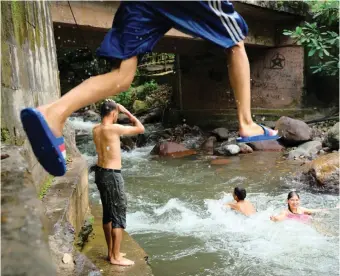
<point x="49" y="150"/>
<point x="257" y="138"/>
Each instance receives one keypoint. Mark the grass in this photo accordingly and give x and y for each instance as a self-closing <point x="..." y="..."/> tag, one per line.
<point x="44" y="189"/>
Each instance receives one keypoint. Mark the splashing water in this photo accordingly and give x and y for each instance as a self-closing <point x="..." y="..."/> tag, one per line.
<point x="176" y="214"/>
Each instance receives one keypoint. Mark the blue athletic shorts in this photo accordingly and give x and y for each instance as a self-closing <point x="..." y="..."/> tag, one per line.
<point x="138" y="25"/>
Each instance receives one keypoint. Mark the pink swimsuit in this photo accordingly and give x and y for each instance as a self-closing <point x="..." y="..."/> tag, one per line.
<point x="300" y="217"/>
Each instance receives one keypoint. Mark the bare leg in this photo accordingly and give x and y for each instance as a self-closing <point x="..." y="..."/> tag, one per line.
<point x="89" y="91"/>
<point x="117" y="259"/>
<point x="108" y="237"/>
<point x="239" y="76"/>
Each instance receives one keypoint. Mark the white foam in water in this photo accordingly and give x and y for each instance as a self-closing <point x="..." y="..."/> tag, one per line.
<point x="255" y="243"/>
<point x="79" y="124"/>
<point x="222" y="230"/>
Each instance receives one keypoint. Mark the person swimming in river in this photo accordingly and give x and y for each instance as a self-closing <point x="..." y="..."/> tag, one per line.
<point x="241" y="205"/>
<point x="295" y="212"/>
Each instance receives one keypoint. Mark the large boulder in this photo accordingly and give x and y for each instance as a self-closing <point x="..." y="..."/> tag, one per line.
<point x="171" y="149"/>
<point x="91" y="116"/>
<point x="153" y="115"/>
<point x="270" y="145"/>
<point x="323" y="171"/>
<point x="309" y="150"/>
<point x="293" y="132"/>
<point x="221" y="133"/>
<point x="332" y="137"/>
<point x="127" y="143"/>
<point x="139" y="107"/>
<point x="123" y="119"/>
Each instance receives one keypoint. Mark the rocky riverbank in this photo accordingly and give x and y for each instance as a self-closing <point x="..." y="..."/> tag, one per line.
<point x="299" y="141"/>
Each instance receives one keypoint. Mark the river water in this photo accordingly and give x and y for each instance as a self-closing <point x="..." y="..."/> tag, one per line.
<point x="175" y="212"/>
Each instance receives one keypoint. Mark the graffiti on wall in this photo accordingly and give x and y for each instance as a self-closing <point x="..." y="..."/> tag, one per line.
<point x="278" y="61"/>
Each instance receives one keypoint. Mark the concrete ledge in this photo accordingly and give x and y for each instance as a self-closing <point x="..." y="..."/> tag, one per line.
<point x="67" y="205"/>
<point x="96" y="251"/>
<point x="24" y="244"/>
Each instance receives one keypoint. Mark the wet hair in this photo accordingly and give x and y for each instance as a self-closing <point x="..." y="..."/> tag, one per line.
<point x="290" y="195"/>
<point x="107" y="106"/>
<point x="240" y="193"/>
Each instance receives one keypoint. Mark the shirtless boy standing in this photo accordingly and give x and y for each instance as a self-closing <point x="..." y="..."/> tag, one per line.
<point x="108" y="178"/>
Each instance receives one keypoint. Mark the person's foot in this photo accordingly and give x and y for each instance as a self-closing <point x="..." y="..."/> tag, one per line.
<point x="53" y="120"/>
<point x="253" y="130"/>
<point x="122" y="261"/>
<point x="108" y="258"/>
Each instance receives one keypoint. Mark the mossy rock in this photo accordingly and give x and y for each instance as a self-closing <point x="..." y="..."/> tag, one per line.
<point x="139" y="106"/>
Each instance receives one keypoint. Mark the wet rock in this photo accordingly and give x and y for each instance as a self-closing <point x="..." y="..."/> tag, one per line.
<point x="244" y="148"/>
<point x="171" y="149"/>
<point x="127" y="143"/>
<point x="123" y="119"/>
<point x="292" y="131"/>
<point x="309" y="150"/>
<point x="323" y="171"/>
<point x="139" y="107"/>
<point x="67" y="258"/>
<point x="84" y="233"/>
<point x="208" y="145"/>
<point x="271" y="145"/>
<point x="91" y="116"/>
<point x="153" y="115"/>
<point x="220" y="162"/>
<point x="332" y="137"/>
<point x="23" y="237"/>
<point x="221" y="133"/>
<point x="231" y="149"/>
<point x="4" y="156"/>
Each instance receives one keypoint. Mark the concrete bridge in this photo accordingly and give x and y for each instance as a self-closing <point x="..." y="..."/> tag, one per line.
<point x="201" y="83"/>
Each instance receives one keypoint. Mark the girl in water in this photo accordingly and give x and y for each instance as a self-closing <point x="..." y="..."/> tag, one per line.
<point x="296" y="212"/>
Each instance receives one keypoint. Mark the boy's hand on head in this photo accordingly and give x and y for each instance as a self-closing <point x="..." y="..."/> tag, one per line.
<point x="121" y="108"/>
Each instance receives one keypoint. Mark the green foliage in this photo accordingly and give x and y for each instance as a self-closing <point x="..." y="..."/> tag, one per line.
<point x="125" y="98"/>
<point x="5" y="135"/>
<point x="146" y="89"/>
<point x="91" y="220"/>
<point x="45" y="186"/>
<point x="321" y="38"/>
<point x="128" y="97"/>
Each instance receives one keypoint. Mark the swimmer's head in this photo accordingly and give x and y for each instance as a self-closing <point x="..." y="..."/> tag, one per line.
<point x="239" y="193"/>
<point x="109" y="110"/>
<point x="293" y="200"/>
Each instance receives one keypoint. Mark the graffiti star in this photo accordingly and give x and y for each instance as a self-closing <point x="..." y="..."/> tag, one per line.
<point x="277" y="62"/>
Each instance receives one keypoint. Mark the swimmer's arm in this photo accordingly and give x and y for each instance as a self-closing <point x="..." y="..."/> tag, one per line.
<point x="279" y="217"/>
<point x="231" y="205"/>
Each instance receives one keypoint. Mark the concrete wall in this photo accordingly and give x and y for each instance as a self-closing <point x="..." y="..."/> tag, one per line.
<point x="29" y="77"/>
<point x="29" y="70"/>
<point x="277" y="80"/>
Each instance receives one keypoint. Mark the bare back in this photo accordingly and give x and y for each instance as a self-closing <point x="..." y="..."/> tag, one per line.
<point x="107" y="141"/>
<point x="244" y="206"/>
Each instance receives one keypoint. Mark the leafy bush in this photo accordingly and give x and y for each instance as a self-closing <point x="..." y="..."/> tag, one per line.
<point x="321" y="38"/>
<point x="147" y="88"/>
<point x="128" y="97"/>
